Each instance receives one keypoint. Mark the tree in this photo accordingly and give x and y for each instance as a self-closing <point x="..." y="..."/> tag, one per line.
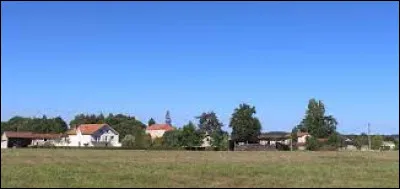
<point x="376" y="142"/>
<point x="245" y="127"/>
<point x="189" y="136"/>
<point x="208" y="122"/>
<point x="151" y="122"/>
<point x="128" y="141"/>
<point x="168" y="118"/>
<point x="173" y="138"/>
<point x="361" y="140"/>
<point x="335" y="140"/>
<point x="312" y="144"/>
<point x="219" y="139"/>
<point x="42" y="125"/>
<point x="315" y="121"/>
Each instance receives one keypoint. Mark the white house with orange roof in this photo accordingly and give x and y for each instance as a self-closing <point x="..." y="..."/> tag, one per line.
<point x="158" y="130"/>
<point x="92" y="135"/>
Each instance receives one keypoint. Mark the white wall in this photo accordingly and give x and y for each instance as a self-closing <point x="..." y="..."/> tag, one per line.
<point x="4" y="141"/>
<point x="104" y="135"/>
<point x="155" y="133"/>
<point x="302" y="139"/>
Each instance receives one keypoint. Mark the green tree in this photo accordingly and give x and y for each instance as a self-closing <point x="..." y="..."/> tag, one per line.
<point x="361" y="140"/>
<point x="315" y="121"/>
<point x="208" y="122"/>
<point x="173" y="138"/>
<point x="335" y="140"/>
<point x="376" y="142"/>
<point x="42" y="125"/>
<point x="189" y="136"/>
<point x="128" y="141"/>
<point x="151" y="122"/>
<point x="245" y="127"/>
<point x="312" y="144"/>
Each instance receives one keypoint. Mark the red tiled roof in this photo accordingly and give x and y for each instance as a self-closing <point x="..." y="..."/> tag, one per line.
<point x="165" y="127"/>
<point x="86" y="129"/>
<point x="31" y="135"/>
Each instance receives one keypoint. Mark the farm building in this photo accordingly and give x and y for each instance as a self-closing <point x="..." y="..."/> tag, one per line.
<point x="23" y="139"/>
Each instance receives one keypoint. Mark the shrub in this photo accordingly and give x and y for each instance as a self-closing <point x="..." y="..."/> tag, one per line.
<point x="128" y="141"/>
<point x="312" y="144"/>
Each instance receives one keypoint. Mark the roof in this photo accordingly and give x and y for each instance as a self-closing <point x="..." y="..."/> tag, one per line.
<point x="86" y="129"/>
<point x="274" y="135"/>
<point x="31" y="135"/>
<point x="165" y="127"/>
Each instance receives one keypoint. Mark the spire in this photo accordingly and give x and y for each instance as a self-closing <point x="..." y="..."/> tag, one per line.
<point x="168" y="118"/>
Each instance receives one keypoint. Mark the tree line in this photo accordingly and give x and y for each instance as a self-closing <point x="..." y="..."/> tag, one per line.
<point x="245" y="126"/>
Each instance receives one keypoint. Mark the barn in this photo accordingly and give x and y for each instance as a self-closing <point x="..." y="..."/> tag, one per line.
<point x="24" y="139"/>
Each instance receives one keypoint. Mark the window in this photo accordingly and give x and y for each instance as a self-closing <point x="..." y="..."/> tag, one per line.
<point x="105" y="138"/>
<point x="111" y="137"/>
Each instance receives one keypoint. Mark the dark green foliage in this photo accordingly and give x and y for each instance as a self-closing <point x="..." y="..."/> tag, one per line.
<point x="376" y="142"/>
<point x="158" y="142"/>
<point x="151" y="122"/>
<point x="41" y="125"/>
<point x="335" y="140"/>
<point x="173" y="138"/>
<point x="245" y="127"/>
<point x="361" y="140"/>
<point x="316" y="122"/>
<point x="209" y="123"/>
<point x="189" y="136"/>
<point x="128" y="141"/>
<point x="312" y="144"/>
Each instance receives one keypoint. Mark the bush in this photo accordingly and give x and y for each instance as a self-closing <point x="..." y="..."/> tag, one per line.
<point x="128" y="141"/>
<point x="312" y="144"/>
<point x="158" y="142"/>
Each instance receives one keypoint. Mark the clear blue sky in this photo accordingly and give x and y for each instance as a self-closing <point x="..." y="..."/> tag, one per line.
<point x="143" y="58"/>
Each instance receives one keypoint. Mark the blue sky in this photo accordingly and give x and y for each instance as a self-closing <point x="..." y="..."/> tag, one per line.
<point x="144" y="58"/>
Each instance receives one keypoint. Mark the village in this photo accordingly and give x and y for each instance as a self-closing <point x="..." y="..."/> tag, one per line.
<point x="103" y="135"/>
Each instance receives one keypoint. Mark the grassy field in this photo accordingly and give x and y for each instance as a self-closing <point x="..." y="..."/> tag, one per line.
<point x="121" y="168"/>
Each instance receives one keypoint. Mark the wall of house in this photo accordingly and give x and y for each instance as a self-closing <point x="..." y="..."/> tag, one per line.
<point x="4" y="141"/>
<point x="103" y="135"/>
<point x="106" y="134"/>
<point x="155" y="133"/>
<point x="206" y="141"/>
<point x="302" y="139"/>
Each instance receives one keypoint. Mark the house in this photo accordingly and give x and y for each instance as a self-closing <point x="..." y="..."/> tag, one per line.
<point x="206" y="142"/>
<point x="92" y="135"/>
<point x="158" y="130"/>
<point x="389" y="145"/>
<point x="273" y="137"/>
<point x="302" y="139"/>
<point x="25" y="139"/>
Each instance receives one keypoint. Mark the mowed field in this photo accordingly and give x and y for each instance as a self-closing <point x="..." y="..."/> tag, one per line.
<point x="123" y="168"/>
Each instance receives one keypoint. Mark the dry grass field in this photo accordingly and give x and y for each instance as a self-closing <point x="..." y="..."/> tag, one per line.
<point x="122" y="168"/>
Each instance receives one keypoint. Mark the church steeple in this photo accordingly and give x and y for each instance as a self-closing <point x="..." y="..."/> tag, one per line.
<point x="168" y="119"/>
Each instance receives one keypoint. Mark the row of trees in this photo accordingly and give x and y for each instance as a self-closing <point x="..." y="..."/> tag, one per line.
<point x="246" y="127"/>
<point x="42" y="125"/>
